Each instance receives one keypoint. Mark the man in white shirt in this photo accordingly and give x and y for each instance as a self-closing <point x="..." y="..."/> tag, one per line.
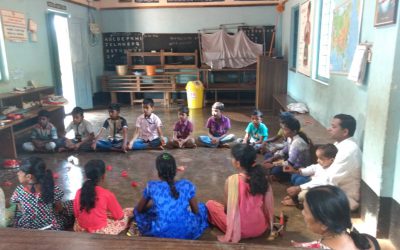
<point x="345" y="172"/>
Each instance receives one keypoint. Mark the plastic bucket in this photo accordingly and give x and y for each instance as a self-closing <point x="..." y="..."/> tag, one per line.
<point x="121" y="69"/>
<point x="195" y="94"/>
<point x="150" y="70"/>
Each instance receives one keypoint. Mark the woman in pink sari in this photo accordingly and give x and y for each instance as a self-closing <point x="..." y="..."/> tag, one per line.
<point x="249" y="203"/>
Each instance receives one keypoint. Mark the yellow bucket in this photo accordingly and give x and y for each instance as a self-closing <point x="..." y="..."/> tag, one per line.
<point x="195" y="94"/>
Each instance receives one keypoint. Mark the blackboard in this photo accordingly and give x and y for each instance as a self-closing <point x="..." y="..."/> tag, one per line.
<point x="174" y="42"/>
<point x="116" y="44"/>
<point x="259" y="34"/>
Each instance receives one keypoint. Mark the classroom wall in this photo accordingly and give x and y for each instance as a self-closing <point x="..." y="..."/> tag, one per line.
<point x="367" y="103"/>
<point x="31" y="60"/>
<point x="186" y="20"/>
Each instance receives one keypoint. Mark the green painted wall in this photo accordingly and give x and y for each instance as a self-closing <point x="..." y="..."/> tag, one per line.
<point x="31" y="60"/>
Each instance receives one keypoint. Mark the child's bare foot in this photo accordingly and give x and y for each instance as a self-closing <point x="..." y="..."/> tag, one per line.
<point x="225" y="145"/>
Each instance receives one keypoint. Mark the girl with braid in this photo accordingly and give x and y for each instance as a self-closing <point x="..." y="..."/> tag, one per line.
<point x="248" y="209"/>
<point x="38" y="200"/>
<point x="96" y="209"/>
<point x="164" y="212"/>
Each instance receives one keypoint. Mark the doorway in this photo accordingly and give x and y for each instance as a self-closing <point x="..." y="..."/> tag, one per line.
<point x="70" y="60"/>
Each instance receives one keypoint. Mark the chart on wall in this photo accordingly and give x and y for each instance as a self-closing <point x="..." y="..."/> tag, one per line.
<point x="116" y="44"/>
<point x="345" y="34"/>
<point x="305" y="46"/>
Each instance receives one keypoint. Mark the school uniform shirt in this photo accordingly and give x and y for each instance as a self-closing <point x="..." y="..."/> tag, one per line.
<point x="148" y="127"/>
<point x="256" y="133"/>
<point x="96" y="218"/>
<point x="319" y="176"/>
<point x="114" y="127"/>
<point x="47" y="133"/>
<point x="218" y="127"/>
<point x="345" y="171"/>
<point x="82" y="130"/>
<point x="183" y="129"/>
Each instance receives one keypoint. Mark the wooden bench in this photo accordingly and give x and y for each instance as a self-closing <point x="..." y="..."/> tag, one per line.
<point x="314" y="130"/>
<point x="12" y="238"/>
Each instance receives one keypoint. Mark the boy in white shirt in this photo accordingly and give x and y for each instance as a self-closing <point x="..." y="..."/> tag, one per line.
<point x="319" y="174"/>
<point x="148" y="133"/>
<point x="83" y="129"/>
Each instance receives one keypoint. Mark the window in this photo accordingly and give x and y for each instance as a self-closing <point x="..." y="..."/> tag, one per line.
<point x="294" y="36"/>
<point x="3" y="61"/>
<point x="324" y="41"/>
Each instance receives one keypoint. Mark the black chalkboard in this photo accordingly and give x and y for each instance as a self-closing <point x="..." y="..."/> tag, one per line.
<point x="260" y="34"/>
<point x="115" y="46"/>
<point x="174" y="42"/>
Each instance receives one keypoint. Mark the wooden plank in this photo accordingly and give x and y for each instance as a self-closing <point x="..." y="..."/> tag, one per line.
<point x="62" y="240"/>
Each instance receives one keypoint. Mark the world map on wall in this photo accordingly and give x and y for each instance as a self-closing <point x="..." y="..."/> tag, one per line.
<point x="345" y="34"/>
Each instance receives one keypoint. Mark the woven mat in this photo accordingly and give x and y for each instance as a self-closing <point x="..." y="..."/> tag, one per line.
<point x="237" y="116"/>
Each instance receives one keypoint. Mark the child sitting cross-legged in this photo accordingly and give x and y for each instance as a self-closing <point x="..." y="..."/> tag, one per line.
<point x="83" y="130"/>
<point x="44" y="136"/>
<point x="114" y="125"/>
<point x="218" y="126"/>
<point x="256" y="131"/>
<point x="169" y="208"/>
<point x="182" y="131"/>
<point x="319" y="174"/>
<point x="96" y="209"/>
<point x="148" y="133"/>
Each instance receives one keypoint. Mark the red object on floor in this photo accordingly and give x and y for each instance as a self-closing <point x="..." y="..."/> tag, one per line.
<point x="124" y="173"/>
<point x="134" y="184"/>
<point x="11" y="163"/>
<point x="109" y="168"/>
<point x="55" y="176"/>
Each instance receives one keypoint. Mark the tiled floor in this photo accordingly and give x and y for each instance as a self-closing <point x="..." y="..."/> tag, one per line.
<point x="206" y="168"/>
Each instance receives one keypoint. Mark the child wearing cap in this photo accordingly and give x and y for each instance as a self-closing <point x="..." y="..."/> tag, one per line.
<point x="44" y="135"/>
<point x="83" y="130"/>
<point x="218" y="126"/>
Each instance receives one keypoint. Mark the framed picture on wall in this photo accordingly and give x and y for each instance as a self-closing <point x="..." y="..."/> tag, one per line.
<point x="385" y="12"/>
<point x="304" y="42"/>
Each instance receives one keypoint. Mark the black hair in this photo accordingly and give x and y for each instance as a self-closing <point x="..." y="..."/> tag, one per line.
<point x="218" y="105"/>
<point x="77" y="111"/>
<point x="293" y="124"/>
<point x="114" y="106"/>
<point x="285" y="116"/>
<point x="246" y="155"/>
<point x="257" y="113"/>
<point x="44" y="113"/>
<point x="347" y="122"/>
<point x="94" y="171"/>
<point x="37" y="168"/>
<point x="184" y="110"/>
<point x="328" y="150"/>
<point x="166" y="168"/>
<point x="330" y="206"/>
<point x="148" y="101"/>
